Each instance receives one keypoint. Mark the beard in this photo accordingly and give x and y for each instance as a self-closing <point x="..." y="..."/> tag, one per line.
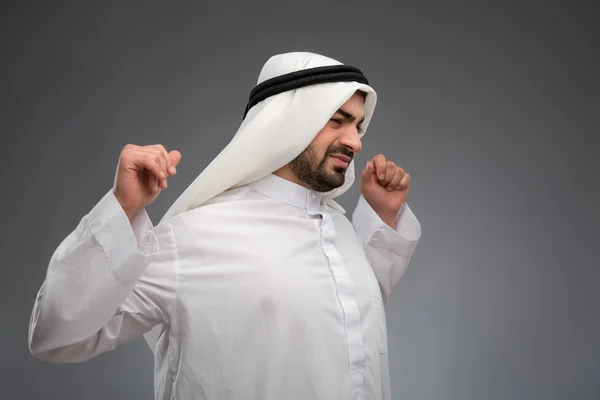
<point x="313" y="171"/>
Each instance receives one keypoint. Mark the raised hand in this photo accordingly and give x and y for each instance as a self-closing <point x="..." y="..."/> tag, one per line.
<point x="141" y="175"/>
<point x="385" y="186"/>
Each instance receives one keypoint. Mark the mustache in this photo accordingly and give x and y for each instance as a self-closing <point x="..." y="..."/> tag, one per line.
<point x="340" y="150"/>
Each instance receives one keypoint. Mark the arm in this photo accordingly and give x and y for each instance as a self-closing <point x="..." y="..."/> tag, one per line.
<point x="107" y="283"/>
<point x="389" y="250"/>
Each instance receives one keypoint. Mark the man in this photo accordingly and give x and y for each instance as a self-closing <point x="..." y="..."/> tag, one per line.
<point x="254" y="285"/>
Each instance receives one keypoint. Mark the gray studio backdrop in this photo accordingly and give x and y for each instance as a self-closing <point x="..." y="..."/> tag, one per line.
<point x="493" y="109"/>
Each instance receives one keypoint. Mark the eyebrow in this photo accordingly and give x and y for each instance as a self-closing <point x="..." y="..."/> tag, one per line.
<point x="349" y="116"/>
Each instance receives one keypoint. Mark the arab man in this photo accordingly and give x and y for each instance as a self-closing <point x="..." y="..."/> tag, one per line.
<point x="255" y="284"/>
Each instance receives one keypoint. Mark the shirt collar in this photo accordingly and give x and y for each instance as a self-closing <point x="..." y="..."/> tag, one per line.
<point x="288" y="192"/>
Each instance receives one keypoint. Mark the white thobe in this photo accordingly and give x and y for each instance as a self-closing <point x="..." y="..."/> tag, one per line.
<point x="264" y="293"/>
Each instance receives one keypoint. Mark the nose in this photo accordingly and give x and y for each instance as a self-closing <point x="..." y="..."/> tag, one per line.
<point x="351" y="139"/>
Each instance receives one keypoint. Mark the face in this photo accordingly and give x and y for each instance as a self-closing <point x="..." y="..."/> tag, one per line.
<point x="322" y="165"/>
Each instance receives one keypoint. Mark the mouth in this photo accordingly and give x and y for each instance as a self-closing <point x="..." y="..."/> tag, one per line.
<point x="341" y="160"/>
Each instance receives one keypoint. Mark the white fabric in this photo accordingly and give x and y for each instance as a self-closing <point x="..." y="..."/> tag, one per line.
<point x="264" y="293"/>
<point x="276" y="130"/>
<point x="273" y="133"/>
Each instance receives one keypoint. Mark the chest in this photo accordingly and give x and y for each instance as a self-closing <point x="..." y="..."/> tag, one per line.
<point x="273" y="262"/>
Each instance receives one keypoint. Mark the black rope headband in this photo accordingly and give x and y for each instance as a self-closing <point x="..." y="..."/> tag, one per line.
<point x="302" y="78"/>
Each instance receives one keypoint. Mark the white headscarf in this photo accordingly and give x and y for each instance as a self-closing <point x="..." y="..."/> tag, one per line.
<point x="273" y="133"/>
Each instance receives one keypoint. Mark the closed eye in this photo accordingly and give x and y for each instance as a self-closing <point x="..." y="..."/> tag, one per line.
<point x="339" y="121"/>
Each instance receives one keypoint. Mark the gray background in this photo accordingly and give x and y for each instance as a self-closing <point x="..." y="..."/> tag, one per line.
<point x="493" y="109"/>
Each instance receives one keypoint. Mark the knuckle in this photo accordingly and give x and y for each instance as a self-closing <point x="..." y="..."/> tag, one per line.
<point x="127" y="149"/>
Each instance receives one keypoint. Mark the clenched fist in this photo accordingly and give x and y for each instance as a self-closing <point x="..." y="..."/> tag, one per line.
<point x="142" y="173"/>
<point x="385" y="186"/>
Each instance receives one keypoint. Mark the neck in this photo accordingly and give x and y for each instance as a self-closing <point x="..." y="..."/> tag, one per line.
<point x="287" y="174"/>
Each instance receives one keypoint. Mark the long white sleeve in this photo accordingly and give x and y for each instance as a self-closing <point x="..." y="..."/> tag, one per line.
<point x="107" y="283"/>
<point x="388" y="250"/>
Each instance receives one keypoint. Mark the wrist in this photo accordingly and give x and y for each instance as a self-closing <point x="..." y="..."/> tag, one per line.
<point x="130" y="210"/>
<point x="389" y="218"/>
<point x="132" y="214"/>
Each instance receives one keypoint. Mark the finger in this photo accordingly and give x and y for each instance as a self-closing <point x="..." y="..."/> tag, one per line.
<point x="165" y="156"/>
<point x="156" y="174"/>
<point x="404" y="182"/>
<point x="153" y="183"/>
<point x="175" y="157"/>
<point x="380" y="166"/>
<point x="172" y="158"/>
<point x="390" y="170"/>
<point x="398" y="175"/>
<point x="366" y="173"/>
<point x="369" y="177"/>
<point x="158" y="157"/>
<point x="154" y="159"/>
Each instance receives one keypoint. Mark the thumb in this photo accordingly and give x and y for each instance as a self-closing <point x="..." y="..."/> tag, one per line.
<point x="367" y="173"/>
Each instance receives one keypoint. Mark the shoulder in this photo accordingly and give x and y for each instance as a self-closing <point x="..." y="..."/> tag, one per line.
<point x="226" y="199"/>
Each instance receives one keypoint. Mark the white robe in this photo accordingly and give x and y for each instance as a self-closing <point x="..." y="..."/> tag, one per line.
<point x="264" y="293"/>
<point x="273" y="133"/>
